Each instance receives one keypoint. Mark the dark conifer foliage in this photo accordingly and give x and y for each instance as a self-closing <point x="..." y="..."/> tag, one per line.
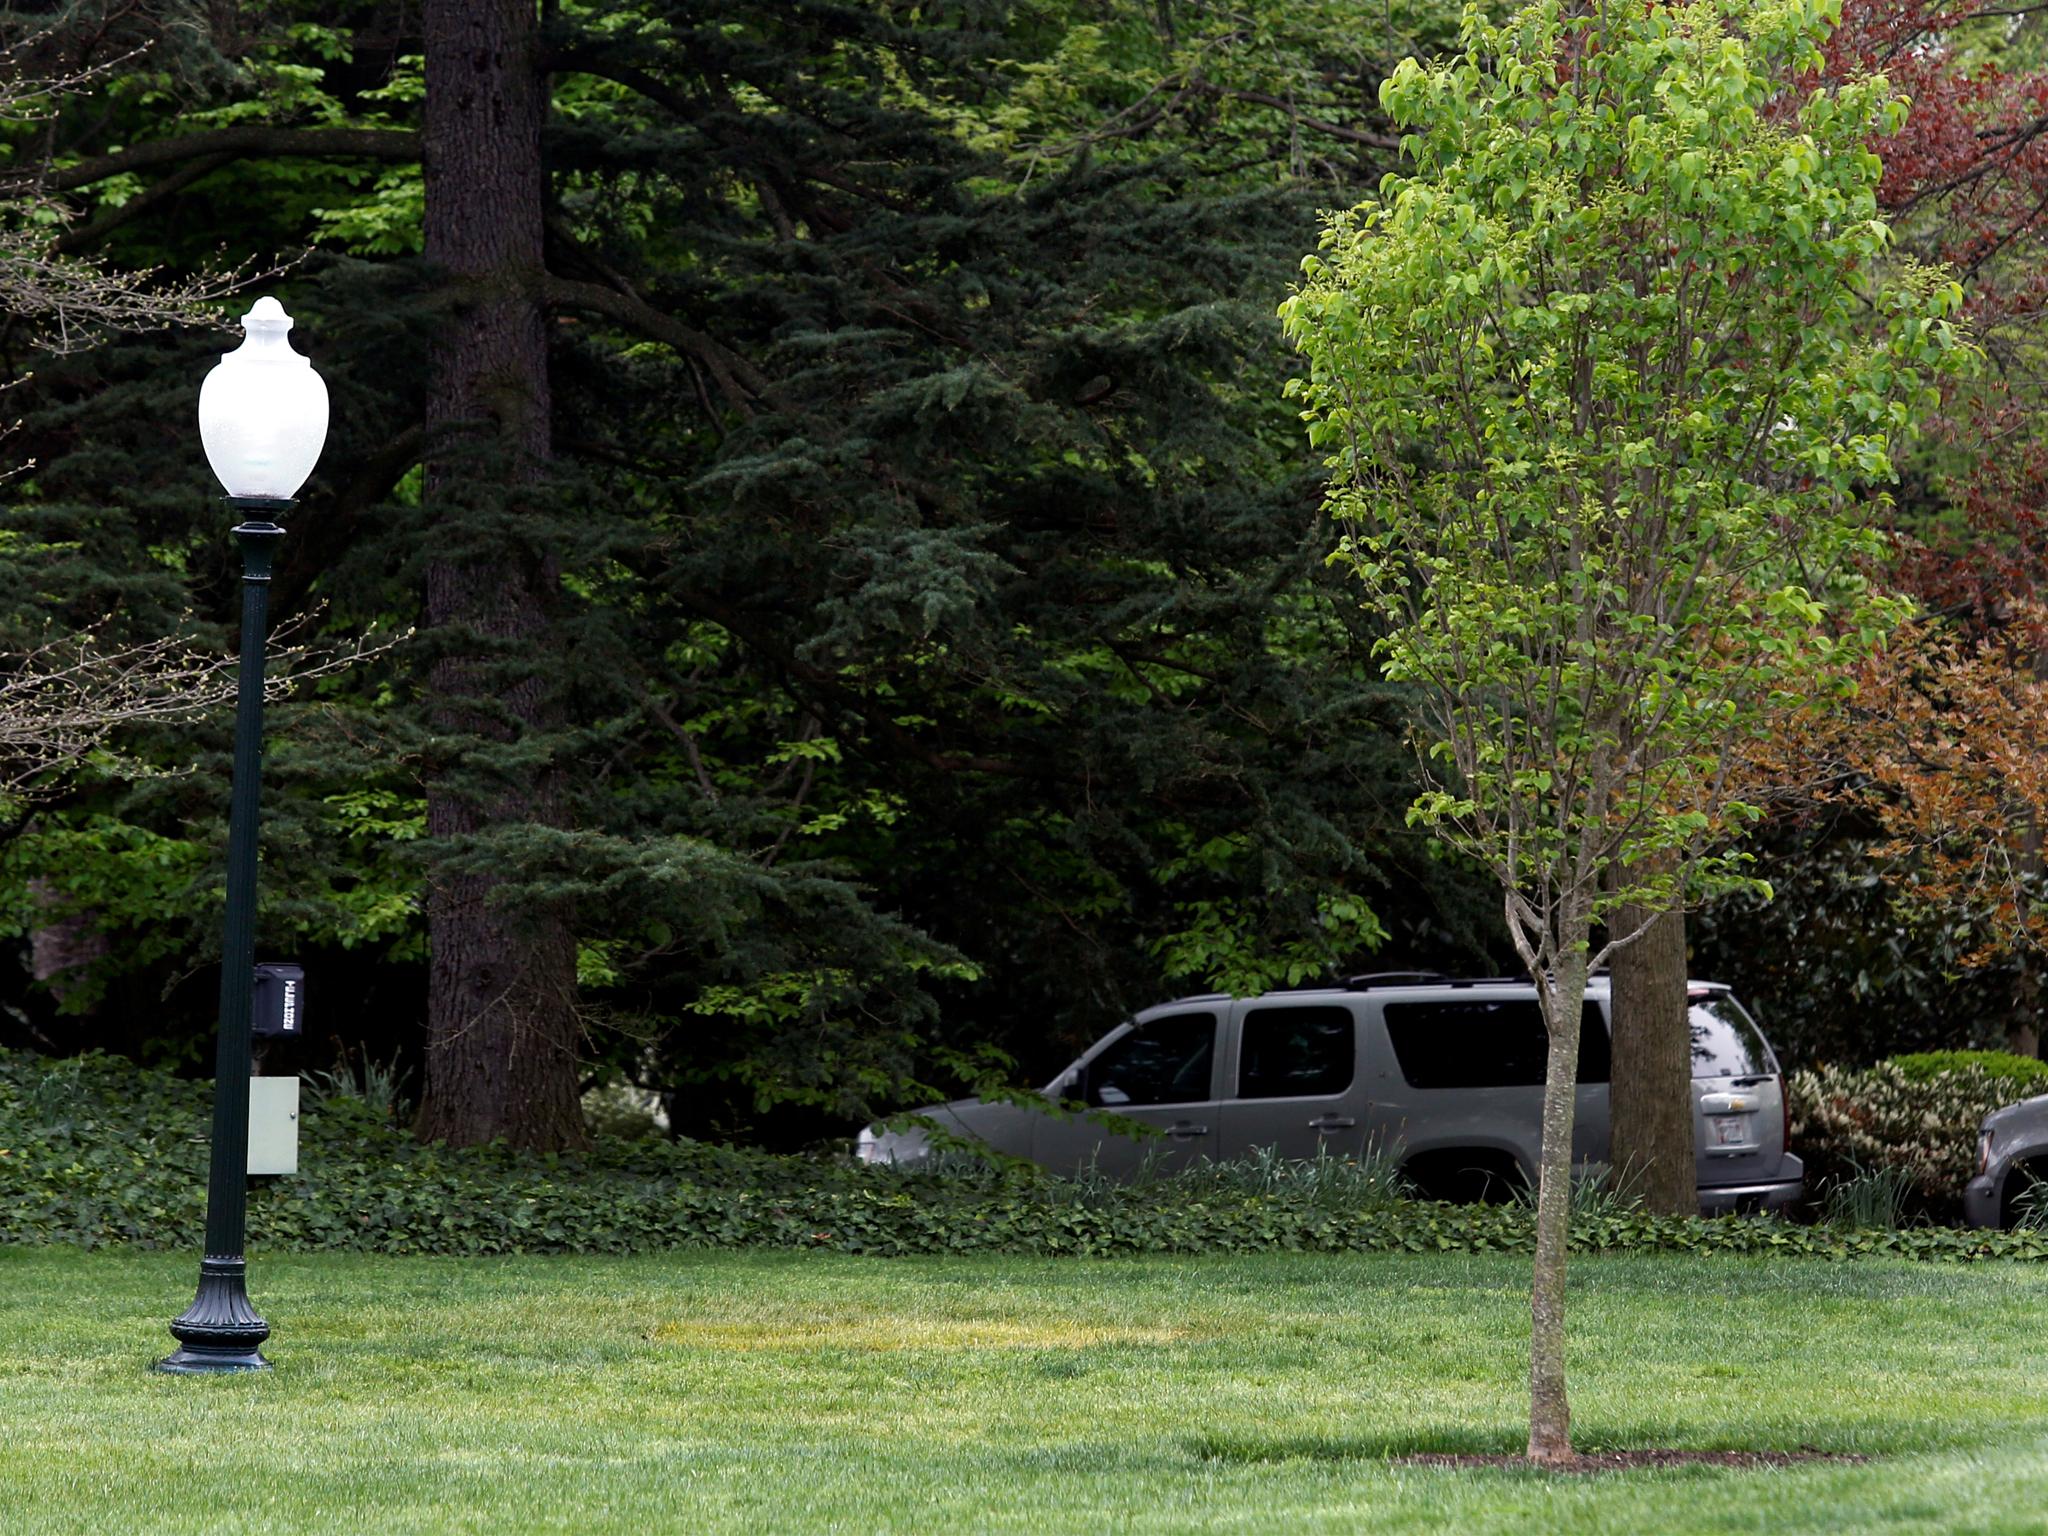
<point x="927" y="652"/>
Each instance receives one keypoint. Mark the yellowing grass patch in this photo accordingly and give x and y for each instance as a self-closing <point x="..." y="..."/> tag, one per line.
<point x="899" y="1333"/>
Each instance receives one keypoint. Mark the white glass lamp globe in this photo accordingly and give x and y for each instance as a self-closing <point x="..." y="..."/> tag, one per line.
<point x="263" y="410"/>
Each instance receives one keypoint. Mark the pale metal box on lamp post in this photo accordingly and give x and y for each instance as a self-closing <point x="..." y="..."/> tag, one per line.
<point x="277" y="1012"/>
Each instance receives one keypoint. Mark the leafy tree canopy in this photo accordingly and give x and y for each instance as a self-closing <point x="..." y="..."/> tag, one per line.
<point x="1604" y="407"/>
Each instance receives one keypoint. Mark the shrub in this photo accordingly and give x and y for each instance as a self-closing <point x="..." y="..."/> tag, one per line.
<point x="94" y="1150"/>
<point x="1915" y="1117"/>
<point x="2028" y="1073"/>
<point x="622" y="1110"/>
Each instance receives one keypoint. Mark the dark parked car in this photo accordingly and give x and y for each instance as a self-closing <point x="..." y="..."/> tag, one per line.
<point x="1446" y="1076"/>
<point x="2012" y="1157"/>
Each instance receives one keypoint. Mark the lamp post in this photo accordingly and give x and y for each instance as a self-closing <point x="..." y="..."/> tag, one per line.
<point x="262" y="419"/>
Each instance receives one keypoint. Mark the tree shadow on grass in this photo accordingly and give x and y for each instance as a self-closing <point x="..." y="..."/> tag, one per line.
<point x="1253" y="1449"/>
<point x="1453" y="1446"/>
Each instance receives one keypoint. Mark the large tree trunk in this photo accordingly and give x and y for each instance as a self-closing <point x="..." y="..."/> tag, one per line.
<point x="2022" y="1032"/>
<point x="1564" y="1001"/>
<point x="61" y="948"/>
<point x="2022" y="1028"/>
<point x="1651" y="1096"/>
<point x="501" y="1011"/>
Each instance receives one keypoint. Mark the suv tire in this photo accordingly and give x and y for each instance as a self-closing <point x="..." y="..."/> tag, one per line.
<point x="1466" y="1175"/>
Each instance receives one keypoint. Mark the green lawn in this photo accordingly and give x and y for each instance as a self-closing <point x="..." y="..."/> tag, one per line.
<point x="785" y="1393"/>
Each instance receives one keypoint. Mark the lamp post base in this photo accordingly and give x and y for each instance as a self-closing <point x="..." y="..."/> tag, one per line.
<point x="220" y="1331"/>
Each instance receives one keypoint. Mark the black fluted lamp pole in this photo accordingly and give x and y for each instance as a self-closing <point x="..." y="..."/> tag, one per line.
<point x="263" y="419"/>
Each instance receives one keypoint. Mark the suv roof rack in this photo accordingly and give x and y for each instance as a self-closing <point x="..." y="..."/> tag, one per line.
<point x="1373" y="979"/>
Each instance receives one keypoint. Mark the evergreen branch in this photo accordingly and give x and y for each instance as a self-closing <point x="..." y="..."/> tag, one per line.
<point x="682" y="734"/>
<point x="373" y="480"/>
<point x="707" y="113"/>
<point x="1132" y="656"/>
<point x="602" y="64"/>
<point x="829" y="686"/>
<point x="1296" y="115"/>
<point x="239" y="142"/>
<point x="740" y="382"/>
<point x="376" y="475"/>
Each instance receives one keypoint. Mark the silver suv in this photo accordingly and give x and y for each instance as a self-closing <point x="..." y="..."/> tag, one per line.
<point x="1446" y="1076"/>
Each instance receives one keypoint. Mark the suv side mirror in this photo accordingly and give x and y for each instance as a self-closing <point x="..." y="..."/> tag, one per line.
<point x="1075" y="1084"/>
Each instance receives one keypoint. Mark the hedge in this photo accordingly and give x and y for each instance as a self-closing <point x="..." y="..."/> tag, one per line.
<point x="2027" y="1074"/>
<point x="92" y="1152"/>
<point x="1914" y="1115"/>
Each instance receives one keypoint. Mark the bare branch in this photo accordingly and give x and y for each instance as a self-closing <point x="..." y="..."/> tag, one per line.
<point x="71" y="301"/>
<point x="67" y="699"/>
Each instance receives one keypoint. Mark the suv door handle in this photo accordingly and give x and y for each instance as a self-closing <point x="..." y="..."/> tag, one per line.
<point x="1332" y="1123"/>
<point x="1186" y="1130"/>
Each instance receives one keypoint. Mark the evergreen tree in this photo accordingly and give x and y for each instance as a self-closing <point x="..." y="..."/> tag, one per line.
<point x="887" y="625"/>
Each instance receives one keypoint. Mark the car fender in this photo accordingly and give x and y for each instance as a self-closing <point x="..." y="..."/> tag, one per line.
<point x="2018" y="1134"/>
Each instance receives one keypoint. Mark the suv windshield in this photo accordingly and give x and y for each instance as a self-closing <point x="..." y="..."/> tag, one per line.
<point x="1725" y="1042"/>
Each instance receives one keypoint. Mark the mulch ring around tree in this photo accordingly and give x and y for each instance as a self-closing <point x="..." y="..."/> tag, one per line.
<point x="1633" y="1461"/>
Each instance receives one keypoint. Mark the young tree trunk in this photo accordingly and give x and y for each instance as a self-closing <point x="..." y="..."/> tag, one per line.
<point x="1564" y="1001"/>
<point x="501" y="1010"/>
<point x="1651" y="1094"/>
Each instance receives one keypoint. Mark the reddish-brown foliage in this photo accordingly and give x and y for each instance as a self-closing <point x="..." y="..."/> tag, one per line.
<point x="1966" y="183"/>
<point x="1944" y="744"/>
<point x="1948" y="740"/>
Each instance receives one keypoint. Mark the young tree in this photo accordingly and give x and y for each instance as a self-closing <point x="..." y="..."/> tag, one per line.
<point x="1604" y="383"/>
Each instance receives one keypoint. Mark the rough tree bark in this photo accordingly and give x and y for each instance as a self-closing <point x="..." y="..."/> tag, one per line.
<point x="1651" y="1093"/>
<point x="2022" y="1029"/>
<point x="502" y="1028"/>
<point x="60" y="947"/>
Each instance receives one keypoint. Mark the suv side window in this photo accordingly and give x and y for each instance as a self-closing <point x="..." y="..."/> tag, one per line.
<point x="1725" y="1042"/>
<point x="1287" y="1053"/>
<point x="1487" y="1043"/>
<point x="1162" y="1061"/>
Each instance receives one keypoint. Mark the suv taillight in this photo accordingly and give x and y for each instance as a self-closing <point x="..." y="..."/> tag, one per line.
<point x="1785" y="1112"/>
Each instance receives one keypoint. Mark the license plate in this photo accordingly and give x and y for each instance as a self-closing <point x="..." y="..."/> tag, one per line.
<point x="1730" y="1130"/>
